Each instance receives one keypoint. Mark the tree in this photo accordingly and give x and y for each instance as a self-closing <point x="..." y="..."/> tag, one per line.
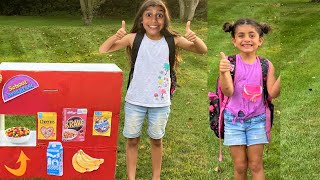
<point x="87" y="9"/>
<point x="315" y="0"/>
<point x="187" y="9"/>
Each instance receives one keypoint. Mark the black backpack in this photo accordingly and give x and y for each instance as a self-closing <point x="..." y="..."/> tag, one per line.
<point x="217" y="100"/>
<point x="172" y="57"/>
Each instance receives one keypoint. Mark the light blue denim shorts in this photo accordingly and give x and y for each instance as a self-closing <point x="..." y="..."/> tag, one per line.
<point x="249" y="132"/>
<point x="134" y="118"/>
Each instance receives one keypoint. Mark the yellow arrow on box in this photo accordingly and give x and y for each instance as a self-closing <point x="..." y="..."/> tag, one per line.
<point x="23" y="165"/>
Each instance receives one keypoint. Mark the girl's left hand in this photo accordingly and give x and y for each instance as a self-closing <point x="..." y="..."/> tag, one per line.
<point x="190" y="35"/>
<point x="0" y="78"/>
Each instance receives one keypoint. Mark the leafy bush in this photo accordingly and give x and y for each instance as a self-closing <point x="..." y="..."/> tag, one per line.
<point x="38" y="7"/>
<point x="111" y="8"/>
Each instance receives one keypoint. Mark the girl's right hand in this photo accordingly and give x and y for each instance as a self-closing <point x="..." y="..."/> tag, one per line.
<point x="225" y="79"/>
<point x="117" y="41"/>
<point x="224" y="64"/>
<point x="0" y="78"/>
<point x="122" y="31"/>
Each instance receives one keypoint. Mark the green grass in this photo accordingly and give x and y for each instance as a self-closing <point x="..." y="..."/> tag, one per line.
<point x="190" y="148"/>
<point x="65" y="39"/>
<point x="228" y="11"/>
<point x="300" y="99"/>
<point x="292" y="47"/>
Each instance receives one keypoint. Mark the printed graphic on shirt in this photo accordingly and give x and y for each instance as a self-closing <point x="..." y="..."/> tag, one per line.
<point x="163" y="82"/>
<point x="252" y="92"/>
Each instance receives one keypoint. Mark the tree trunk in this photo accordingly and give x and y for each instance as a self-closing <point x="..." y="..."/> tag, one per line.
<point x="87" y="9"/>
<point x="193" y="6"/>
<point x="187" y="9"/>
<point x="182" y="9"/>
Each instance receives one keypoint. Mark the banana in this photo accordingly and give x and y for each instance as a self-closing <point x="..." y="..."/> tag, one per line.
<point x="89" y="166"/>
<point x="88" y="158"/>
<point x="76" y="165"/>
<point x="82" y="162"/>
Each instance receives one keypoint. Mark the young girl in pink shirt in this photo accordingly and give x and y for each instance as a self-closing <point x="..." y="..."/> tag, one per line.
<point x="245" y="113"/>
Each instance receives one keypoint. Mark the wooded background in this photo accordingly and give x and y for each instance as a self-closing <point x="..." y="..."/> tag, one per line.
<point x="181" y="9"/>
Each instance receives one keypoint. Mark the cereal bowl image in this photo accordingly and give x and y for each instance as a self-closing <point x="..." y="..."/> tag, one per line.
<point x="18" y="135"/>
<point x="69" y="134"/>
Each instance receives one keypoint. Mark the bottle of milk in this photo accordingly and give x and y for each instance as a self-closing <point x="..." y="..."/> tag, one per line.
<point x="55" y="159"/>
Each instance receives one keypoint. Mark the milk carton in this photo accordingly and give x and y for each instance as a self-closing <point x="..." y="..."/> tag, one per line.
<point x="55" y="159"/>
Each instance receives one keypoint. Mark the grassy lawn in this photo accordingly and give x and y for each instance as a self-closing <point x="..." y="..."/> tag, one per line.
<point x="190" y="148"/>
<point x="300" y="100"/>
<point x="292" y="47"/>
<point x="55" y="39"/>
<point x="218" y="40"/>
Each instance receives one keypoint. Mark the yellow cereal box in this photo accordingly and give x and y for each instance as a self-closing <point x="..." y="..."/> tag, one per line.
<point x="47" y="125"/>
<point x="101" y="123"/>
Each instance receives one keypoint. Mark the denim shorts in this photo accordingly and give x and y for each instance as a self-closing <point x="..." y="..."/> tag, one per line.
<point x="249" y="132"/>
<point x="134" y="118"/>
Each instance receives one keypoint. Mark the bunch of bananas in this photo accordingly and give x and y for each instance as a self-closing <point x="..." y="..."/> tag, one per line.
<point x="82" y="162"/>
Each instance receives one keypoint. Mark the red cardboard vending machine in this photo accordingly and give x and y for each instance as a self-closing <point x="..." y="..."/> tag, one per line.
<point x="56" y="93"/>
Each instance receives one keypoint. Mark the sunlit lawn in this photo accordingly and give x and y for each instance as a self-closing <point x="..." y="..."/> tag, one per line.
<point x="292" y="46"/>
<point x="59" y="39"/>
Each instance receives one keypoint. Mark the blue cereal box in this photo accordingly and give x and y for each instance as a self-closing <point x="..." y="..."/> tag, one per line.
<point x="55" y="159"/>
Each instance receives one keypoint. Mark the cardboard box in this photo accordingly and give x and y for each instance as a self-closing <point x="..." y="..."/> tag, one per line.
<point x="101" y="123"/>
<point x="47" y="125"/>
<point x="74" y="124"/>
<point x="95" y="86"/>
<point x="55" y="159"/>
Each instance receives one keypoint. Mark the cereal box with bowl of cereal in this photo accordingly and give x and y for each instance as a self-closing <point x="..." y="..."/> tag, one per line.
<point x="74" y="124"/>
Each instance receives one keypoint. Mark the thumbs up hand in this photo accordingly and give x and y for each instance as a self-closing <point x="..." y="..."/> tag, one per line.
<point x="224" y="63"/>
<point x="122" y="31"/>
<point x="190" y="35"/>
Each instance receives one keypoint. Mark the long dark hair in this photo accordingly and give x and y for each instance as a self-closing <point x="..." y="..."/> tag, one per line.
<point x="165" y="31"/>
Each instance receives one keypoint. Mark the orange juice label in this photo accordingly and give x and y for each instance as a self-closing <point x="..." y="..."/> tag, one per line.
<point x="102" y="123"/>
<point x="47" y="125"/>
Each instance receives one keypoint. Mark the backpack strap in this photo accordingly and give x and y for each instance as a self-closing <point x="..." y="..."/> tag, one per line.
<point x="172" y="59"/>
<point x="134" y="52"/>
<point x="269" y="115"/>
<point x="224" y="101"/>
<point x="222" y="97"/>
<point x="265" y="68"/>
<point x="172" y="51"/>
<point x="232" y="60"/>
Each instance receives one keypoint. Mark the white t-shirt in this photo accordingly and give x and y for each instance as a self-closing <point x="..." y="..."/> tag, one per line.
<point x="150" y="85"/>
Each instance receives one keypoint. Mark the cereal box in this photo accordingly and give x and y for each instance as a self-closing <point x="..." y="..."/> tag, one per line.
<point x="101" y="123"/>
<point x="74" y="124"/>
<point x="55" y="159"/>
<point x="47" y="125"/>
